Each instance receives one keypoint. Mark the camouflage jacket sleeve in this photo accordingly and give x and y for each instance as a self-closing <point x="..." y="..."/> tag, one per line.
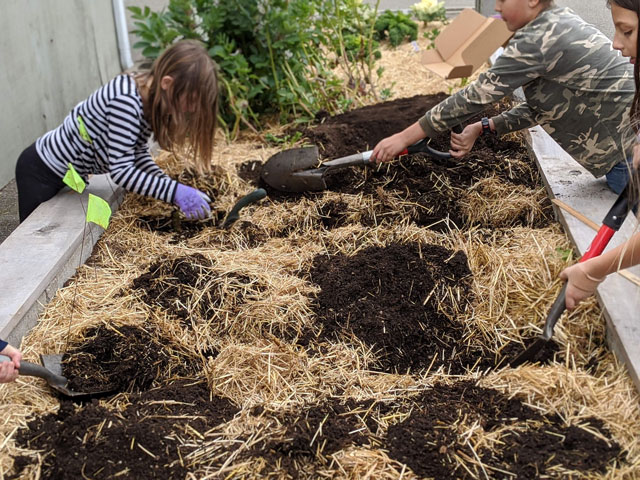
<point x="517" y="118"/>
<point x="520" y="63"/>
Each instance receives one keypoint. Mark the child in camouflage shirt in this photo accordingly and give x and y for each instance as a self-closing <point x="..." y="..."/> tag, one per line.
<point x="576" y="86"/>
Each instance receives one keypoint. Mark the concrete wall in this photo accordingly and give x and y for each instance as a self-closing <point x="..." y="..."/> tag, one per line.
<point x="53" y="54"/>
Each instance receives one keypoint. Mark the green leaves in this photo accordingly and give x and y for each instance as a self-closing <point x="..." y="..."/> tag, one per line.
<point x="397" y="26"/>
<point x="275" y="56"/>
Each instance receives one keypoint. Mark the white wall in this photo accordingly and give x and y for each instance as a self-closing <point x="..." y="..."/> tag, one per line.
<point x="53" y="54"/>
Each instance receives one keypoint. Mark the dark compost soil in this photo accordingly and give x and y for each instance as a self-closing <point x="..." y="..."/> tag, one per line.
<point x="530" y="444"/>
<point x="188" y="289"/>
<point x="149" y="438"/>
<point x="117" y="359"/>
<point x="313" y="434"/>
<point x="430" y="188"/>
<point x="433" y="433"/>
<point x="392" y="299"/>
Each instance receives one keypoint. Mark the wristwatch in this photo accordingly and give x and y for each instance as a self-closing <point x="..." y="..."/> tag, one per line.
<point x="486" y="129"/>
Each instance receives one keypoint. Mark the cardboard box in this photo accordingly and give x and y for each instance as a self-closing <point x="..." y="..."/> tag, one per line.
<point x="465" y="44"/>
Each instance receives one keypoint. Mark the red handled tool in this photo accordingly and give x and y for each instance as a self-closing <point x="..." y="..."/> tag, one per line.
<point x="611" y="224"/>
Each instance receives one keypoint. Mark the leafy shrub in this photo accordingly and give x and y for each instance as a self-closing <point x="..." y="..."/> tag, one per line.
<point x="397" y="26"/>
<point x="275" y="56"/>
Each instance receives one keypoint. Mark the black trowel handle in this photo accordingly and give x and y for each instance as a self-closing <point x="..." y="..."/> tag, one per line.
<point x="234" y="214"/>
<point x="34" y="370"/>
<point x="554" y="314"/>
<point x="422" y="147"/>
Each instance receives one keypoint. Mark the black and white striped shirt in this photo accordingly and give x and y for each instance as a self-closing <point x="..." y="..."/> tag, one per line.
<point x="107" y="133"/>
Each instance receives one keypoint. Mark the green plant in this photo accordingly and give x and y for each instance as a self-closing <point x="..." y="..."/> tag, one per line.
<point x="429" y="11"/>
<point x="286" y="141"/>
<point x="396" y="26"/>
<point x="275" y="56"/>
<point x="463" y="82"/>
<point x="431" y="35"/>
<point x="566" y="254"/>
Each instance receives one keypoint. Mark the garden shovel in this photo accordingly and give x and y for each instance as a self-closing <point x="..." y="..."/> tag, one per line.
<point x="611" y="224"/>
<point x="51" y="372"/>
<point x="295" y="170"/>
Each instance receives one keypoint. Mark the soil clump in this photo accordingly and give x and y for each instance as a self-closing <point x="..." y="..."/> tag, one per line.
<point x="314" y="434"/>
<point x="118" y="359"/>
<point x="189" y="289"/>
<point x="179" y="227"/>
<point x="529" y="444"/>
<point x="148" y="438"/>
<point x="400" y="300"/>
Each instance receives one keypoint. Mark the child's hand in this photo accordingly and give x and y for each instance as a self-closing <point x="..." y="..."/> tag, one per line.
<point x="387" y="149"/>
<point x="580" y="284"/>
<point x="462" y="143"/>
<point x="9" y="370"/>
<point x="193" y="203"/>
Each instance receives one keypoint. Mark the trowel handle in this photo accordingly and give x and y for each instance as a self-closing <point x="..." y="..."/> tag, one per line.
<point x="554" y="313"/>
<point x="618" y="212"/>
<point x="422" y="147"/>
<point x="35" y="370"/>
<point x="352" y="160"/>
<point x="254" y="196"/>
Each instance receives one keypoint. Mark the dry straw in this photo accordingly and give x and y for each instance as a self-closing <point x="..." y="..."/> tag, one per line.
<point x="251" y="300"/>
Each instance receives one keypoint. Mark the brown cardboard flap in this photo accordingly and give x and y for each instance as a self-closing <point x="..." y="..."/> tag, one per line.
<point x="446" y="70"/>
<point x="465" y="44"/>
<point x="460" y="28"/>
<point x="486" y="41"/>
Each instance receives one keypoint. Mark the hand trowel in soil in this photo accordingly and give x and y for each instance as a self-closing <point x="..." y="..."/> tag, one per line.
<point x="234" y="213"/>
<point x="51" y="372"/>
<point x="611" y="224"/>
<point x="296" y="170"/>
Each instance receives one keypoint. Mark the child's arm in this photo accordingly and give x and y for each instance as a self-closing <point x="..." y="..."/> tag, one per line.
<point x="144" y="162"/>
<point x="124" y="134"/>
<point x="583" y="278"/>
<point x="522" y="62"/>
<point x="517" y="118"/>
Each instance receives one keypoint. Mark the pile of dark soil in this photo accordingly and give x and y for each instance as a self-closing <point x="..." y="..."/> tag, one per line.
<point x="149" y="438"/>
<point x="188" y="289"/>
<point x="533" y="444"/>
<point x="361" y="129"/>
<point x="313" y="434"/>
<point x="119" y="359"/>
<point x="393" y="299"/>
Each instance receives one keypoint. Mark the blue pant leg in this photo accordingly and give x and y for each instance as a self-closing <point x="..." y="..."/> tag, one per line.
<point x="618" y="176"/>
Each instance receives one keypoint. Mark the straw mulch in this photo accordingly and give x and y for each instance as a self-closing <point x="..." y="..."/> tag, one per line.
<point x="236" y="309"/>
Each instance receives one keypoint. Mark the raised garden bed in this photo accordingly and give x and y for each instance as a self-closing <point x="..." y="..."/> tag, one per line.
<point x="359" y="332"/>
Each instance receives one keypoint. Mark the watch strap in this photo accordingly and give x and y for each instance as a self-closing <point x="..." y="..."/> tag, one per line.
<point x="486" y="128"/>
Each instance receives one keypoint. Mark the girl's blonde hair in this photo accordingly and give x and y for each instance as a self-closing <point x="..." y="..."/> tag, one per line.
<point x="194" y="88"/>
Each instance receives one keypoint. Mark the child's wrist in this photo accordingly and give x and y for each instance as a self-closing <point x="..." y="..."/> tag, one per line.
<point x="589" y="275"/>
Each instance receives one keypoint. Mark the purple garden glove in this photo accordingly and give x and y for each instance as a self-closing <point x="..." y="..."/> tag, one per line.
<point x="193" y="203"/>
